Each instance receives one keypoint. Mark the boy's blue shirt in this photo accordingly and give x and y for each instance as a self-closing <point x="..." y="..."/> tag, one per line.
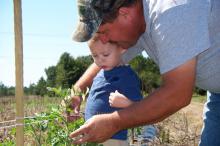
<point x="121" y="78"/>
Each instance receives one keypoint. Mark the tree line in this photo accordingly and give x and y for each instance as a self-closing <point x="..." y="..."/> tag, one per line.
<point x="69" y="69"/>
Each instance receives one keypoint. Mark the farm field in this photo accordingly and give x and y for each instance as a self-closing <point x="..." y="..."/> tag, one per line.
<point x="182" y="128"/>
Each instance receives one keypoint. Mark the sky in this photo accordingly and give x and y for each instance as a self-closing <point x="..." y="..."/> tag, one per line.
<point x="47" y="33"/>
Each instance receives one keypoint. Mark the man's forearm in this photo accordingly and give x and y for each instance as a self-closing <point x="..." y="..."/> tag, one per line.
<point x="150" y="110"/>
<point x="175" y="93"/>
<point x="87" y="78"/>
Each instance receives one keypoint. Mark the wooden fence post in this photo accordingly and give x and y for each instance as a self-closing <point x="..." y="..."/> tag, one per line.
<point x="19" y="73"/>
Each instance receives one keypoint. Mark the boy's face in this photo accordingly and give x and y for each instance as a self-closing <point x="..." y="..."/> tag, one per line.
<point x="106" y="56"/>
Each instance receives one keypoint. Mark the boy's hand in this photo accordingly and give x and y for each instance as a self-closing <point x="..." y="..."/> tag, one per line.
<point x="76" y="102"/>
<point x="117" y="99"/>
<point x="75" y="106"/>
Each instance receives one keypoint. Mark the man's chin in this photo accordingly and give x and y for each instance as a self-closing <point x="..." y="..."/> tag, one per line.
<point x="126" y="45"/>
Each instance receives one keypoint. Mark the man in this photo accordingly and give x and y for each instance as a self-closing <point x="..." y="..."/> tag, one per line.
<point x="181" y="36"/>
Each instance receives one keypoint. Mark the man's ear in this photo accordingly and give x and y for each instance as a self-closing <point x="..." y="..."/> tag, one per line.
<point x="123" y="11"/>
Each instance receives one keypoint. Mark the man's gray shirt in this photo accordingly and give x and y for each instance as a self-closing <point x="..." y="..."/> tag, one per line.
<point x="179" y="30"/>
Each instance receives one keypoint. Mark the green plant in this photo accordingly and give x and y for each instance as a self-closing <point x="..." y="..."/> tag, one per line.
<point x="8" y="143"/>
<point x="10" y="139"/>
<point x="53" y="128"/>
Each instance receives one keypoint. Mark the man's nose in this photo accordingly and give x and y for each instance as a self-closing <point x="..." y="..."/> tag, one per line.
<point x="104" y="38"/>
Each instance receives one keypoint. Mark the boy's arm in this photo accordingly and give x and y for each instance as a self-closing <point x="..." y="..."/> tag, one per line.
<point x="87" y="78"/>
<point x="81" y="85"/>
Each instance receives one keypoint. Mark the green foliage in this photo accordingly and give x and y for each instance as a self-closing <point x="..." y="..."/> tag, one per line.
<point x="10" y="140"/>
<point x="6" y="91"/>
<point x="84" y="62"/>
<point x="53" y="128"/>
<point x="32" y="90"/>
<point x="8" y="143"/>
<point x="41" y="87"/>
<point x="51" y="76"/>
<point x="69" y="69"/>
<point x="3" y="89"/>
<point x="64" y="68"/>
<point x="50" y="128"/>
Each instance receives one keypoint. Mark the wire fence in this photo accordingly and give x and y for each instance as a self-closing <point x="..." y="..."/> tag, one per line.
<point x="12" y="123"/>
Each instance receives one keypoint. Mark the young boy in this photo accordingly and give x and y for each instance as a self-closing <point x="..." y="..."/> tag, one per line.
<point x="114" y="78"/>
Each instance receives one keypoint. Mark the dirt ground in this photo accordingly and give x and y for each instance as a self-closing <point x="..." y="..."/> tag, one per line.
<point x="182" y="128"/>
<point x="194" y="112"/>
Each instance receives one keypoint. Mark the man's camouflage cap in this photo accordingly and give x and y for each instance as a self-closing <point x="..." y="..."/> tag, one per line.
<point x="91" y="13"/>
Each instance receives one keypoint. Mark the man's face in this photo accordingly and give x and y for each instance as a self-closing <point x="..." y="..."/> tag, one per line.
<point x="122" y="31"/>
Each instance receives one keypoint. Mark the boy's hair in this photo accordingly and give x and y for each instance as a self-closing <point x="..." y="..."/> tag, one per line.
<point x="94" y="38"/>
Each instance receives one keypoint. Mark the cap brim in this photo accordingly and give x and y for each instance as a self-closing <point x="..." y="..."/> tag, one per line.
<point x="84" y="31"/>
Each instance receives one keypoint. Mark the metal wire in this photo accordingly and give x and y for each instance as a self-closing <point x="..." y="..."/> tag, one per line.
<point x="81" y="114"/>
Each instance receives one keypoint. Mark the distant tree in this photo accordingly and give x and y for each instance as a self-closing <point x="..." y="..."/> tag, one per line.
<point x="84" y="61"/>
<point x="65" y="70"/>
<point x="32" y="89"/>
<point x="26" y="91"/>
<point x="51" y="76"/>
<point x="11" y="91"/>
<point x="69" y="70"/>
<point x="41" y="87"/>
<point x="82" y="64"/>
<point x="3" y="90"/>
<point x="6" y="91"/>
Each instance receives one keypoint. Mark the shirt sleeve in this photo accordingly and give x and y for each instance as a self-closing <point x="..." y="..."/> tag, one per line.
<point x="181" y="33"/>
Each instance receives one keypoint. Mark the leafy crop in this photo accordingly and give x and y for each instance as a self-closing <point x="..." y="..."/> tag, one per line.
<point x="51" y="128"/>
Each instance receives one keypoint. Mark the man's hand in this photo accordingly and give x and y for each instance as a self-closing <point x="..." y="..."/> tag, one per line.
<point x="97" y="129"/>
<point x="117" y="99"/>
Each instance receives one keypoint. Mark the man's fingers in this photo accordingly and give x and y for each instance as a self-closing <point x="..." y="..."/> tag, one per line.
<point x="82" y="139"/>
<point x="110" y="97"/>
<point x="112" y="94"/>
<point x="76" y="110"/>
<point x="110" y="102"/>
<point x="78" y="132"/>
<point x="82" y="135"/>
